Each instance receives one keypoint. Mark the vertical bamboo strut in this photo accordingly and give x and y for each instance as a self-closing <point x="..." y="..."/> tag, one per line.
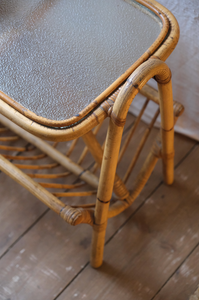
<point x="72" y="146"/>
<point x="146" y="170"/>
<point x="85" y="151"/>
<point x="152" y="67"/>
<point x="167" y="131"/>
<point x="74" y="142"/>
<point x="93" y="146"/>
<point x="97" y="152"/>
<point x="140" y="147"/>
<point x="95" y="167"/>
<point x="131" y="132"/>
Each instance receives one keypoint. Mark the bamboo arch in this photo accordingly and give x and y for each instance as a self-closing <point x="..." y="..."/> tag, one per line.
<point x="152" y="68"/>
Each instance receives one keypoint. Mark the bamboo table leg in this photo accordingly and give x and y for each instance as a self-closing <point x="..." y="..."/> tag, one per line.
<point x="152" y="68"/>
<point x="104" y="194"/>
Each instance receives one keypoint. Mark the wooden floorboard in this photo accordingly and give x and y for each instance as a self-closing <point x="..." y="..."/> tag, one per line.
<point x="41" y="255"/>
<point x="151" y="246"/>
<point x="184" y="281"/>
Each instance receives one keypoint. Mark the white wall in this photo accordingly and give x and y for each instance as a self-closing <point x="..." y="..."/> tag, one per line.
<point x="184" y="64"/>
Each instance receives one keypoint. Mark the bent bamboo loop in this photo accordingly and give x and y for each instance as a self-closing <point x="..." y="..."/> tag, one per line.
<point x="158" y="69"/>
<point x="137" y="80"/>
<point x="153" y="67"/>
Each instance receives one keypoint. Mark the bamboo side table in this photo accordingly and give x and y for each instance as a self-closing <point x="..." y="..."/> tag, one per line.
<point x="66" y="67"/>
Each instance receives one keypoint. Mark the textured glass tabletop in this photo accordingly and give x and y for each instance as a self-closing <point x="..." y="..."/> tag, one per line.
<point x="57" y="56"/>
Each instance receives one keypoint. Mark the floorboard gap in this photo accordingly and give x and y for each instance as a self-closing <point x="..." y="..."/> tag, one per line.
<point x="175" y="271"/>
<point x="82" y="269"/>
<point x="187" y="154"/>
<point x="125" y="224"/>
<point x="26" y="231"/>
<point x="155" y="189"/>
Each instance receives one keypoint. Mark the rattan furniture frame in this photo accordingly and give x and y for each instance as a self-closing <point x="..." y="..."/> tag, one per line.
<point x="114" y="104"/>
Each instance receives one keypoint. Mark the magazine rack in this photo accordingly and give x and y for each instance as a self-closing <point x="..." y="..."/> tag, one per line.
<point x="66" y="67"/>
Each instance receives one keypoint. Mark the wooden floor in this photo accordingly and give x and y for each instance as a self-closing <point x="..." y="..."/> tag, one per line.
<point x="151" y="252"/>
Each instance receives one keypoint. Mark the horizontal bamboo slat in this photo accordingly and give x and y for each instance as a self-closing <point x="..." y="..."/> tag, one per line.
<point x="61" y="185"/>
<point x="49" y="176"/>
<point x="20" y="157"/>
<point x="9" y="138"/>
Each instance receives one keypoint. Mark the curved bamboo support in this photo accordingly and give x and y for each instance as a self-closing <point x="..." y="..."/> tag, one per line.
<point x="60" y="158"/>
<point x="73" y="216"/>
<point x="141" y="180"/>
<point x="146" y="170"/>
<point x="158" y="69"/>
<point x="153" y="67"/>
